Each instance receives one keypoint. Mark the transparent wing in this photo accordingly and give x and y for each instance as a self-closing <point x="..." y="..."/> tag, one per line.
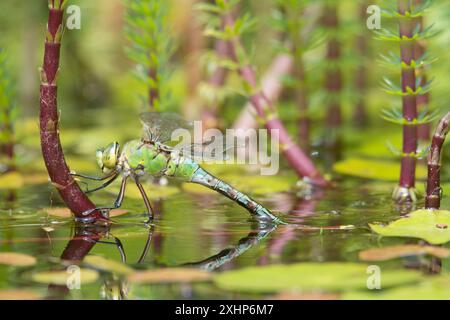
<point x="207" y="151"/>
<point x="158" y="127"/>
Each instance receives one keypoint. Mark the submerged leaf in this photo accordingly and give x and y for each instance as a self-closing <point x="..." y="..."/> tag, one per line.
<point x="387" y="253"/>
<point x="61" y="277"/>
<point x="374" y="169"/>
<point x="170" y="275"/>
<point x="429" y="225"/>
<point x="17" y="259"/>
<point x="307" y="277"/>
<point x="104" y="264"/>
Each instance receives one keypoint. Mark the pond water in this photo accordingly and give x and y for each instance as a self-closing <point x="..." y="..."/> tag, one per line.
<point x="203" y="231"/>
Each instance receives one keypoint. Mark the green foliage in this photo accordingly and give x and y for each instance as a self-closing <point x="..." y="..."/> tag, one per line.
<point x="150" y="47"/>
<point x="8" y="106"/>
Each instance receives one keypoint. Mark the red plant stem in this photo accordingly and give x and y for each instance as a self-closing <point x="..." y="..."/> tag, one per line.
<point x="52" y="151"/>
<point x="360" y="114"/>
<point x="153" y="94"/>
<point x="433" y="198"/>
<point x="408" y="163"/>
<point x="298" y="160"/>
<point x="423" y="100"/>
<point x="217" y="80"/>
<point x="333" y="82"/>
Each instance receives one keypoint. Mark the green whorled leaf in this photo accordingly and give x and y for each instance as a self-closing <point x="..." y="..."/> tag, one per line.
<point x="61" y="277"/>
<point x="374" y="169"/>
<point x="17" y="259"/>
<point x="429" y="225"/>
<point x="308" y="277"/>
<point x="393" y="252"/>
<point x="433" y="288"/>
<point x="104" y="264"/>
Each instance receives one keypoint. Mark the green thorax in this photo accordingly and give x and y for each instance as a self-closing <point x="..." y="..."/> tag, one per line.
<point x="156" y="161"/>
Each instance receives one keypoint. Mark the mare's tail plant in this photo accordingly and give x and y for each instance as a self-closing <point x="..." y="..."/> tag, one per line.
<point x="222" y="14"/>
<point x="295" y="26"/>
<point x="52" y="152"/>
<point x="411" y="86"/>
<point x="8" y="113"/>
<point x="434" y="191"/>
<point x="150" y="48"/>
<point x="333" y="73"/>
<point x="360" y="117"/>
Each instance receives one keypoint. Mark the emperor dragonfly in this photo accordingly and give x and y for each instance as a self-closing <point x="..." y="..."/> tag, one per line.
<point x="151" y="155"/>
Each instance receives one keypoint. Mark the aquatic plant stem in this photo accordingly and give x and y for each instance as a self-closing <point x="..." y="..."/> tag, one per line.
<point x="216" y="81"/>
<point x="434" y="191"/>
<point x="360" y="117"/>
<point x="52" y="151"/>
<point x="333" y="81"/>
<point x="423" y="100"/>
<point x="409" y="106"/>
<point x="298" y="160"/>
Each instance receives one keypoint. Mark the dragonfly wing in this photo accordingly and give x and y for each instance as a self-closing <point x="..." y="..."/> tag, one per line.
<point x="207" y="151"/>
<point x="158" y="127"/>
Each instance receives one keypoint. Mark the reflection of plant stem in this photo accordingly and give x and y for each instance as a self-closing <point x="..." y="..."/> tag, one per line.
<point x="52" y="151"/>
<point x="434" y="191"/>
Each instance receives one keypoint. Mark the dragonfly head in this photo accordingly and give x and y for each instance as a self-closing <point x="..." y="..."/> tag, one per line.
<point x="108" y="158"/>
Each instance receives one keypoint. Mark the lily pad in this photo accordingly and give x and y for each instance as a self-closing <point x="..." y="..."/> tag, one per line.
<point x="61" y="277"/>
<point x="392" y="252"/>
<point x="436" y="288"/>
<point x="307" y="277"/>
<point x="104" y="264"/>
<point x="66" y="213"/>
<point x="170" y="275"/>
<point x="11" y="180"/>
<point x="432" y="226"/>
<point x="18" y="295"/>
<point x="374" y="169"/>
<point x="17" y="259"/>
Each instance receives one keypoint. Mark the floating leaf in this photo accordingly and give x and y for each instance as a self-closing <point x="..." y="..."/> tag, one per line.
<point x="305" y="296"/>
<point x="374" y="169"/>
<point x="430" y="225"/>
<point x="17" y="259"/>
<point x="66" y="213"/>
<point x="18" y="295"/>
<point x="11" y="180"/>
<point x="387" y="253"/>
<point x="36" y="178"/>
<point x="153" y="191"/>
<point x="307" y="277"/>
<point x="436" y="288"/>
<point x="104" y="264"/>
<point x="170" y="275"/>
<point x="61" y="277"/>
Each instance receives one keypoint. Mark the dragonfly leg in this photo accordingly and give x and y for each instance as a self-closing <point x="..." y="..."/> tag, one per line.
<point x="104" y="185"/>
<point x="146" y="200"/>
<point x="117" y="203"/>
<point x="119" y="246"/>
<point x="84" y="176"/>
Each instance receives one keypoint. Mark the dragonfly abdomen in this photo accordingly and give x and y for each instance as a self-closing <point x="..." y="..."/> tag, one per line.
<point x="206" y="179"/>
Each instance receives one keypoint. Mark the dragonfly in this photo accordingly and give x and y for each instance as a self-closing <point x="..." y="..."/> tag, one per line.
<point x="153" y="155"/>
